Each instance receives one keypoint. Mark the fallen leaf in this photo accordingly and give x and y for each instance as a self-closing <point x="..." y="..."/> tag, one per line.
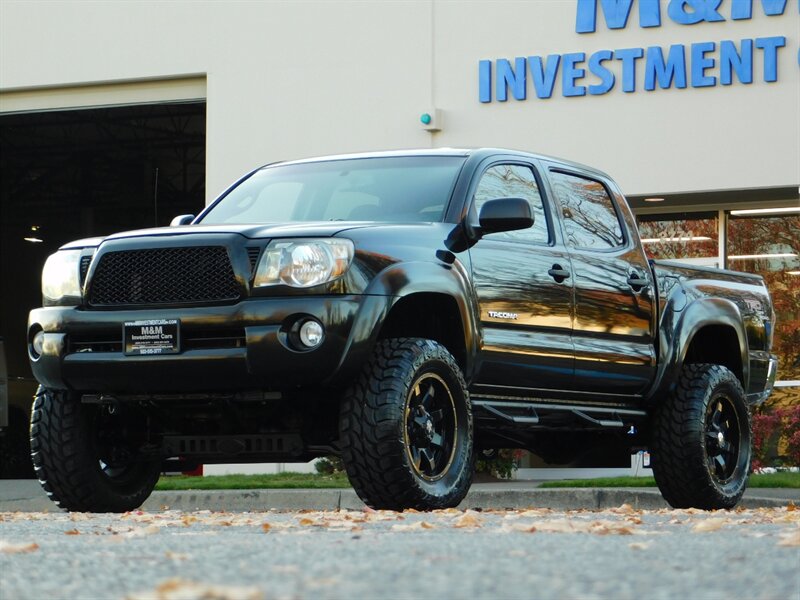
<point x="709" y="525"/>
<point x="521" y="527"/>
<point x="639" y="545"/>
<point x="791" y="507"/>
<point x="468" y="520"/>
<point x="533" y="512"/>
<point x="625" y="509"/>
<point x="142" y="531"/>
<point x="265" y="527"/>
<point x="176" y="555"/>
<point x="790" y="539"/>
<point x="181" y="589"/>
<point x="609" y="528"/>
<point x="9" y="548"/>
<point x="78" y="516"/>
<point x="418" y="526"/>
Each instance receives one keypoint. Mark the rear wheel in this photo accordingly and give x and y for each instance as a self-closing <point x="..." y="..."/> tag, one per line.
<point x="87" y="456"/>
<point x="701" y="444"/>
<point x="406" y="428"/>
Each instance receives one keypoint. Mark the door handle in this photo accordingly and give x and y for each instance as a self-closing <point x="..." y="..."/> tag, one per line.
<point x="558" y="273"/>
<point x="637" y="282"/>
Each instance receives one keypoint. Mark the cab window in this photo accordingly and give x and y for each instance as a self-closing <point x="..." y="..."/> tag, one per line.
<point x="590" y="219"/>
<point x="514" y="181"/>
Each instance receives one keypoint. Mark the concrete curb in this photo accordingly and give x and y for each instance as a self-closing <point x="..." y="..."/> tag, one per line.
<point x="28" y="496"/>
<point x="333" y="499"/>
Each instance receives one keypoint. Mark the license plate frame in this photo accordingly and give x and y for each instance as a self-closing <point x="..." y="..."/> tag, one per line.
<point x="151" y="337"/>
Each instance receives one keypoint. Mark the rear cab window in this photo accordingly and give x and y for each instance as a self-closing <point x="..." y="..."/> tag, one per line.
<point x="590" y="217"/>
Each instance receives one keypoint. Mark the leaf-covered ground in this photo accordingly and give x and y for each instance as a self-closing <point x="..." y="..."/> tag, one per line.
<point x="616" y="553"/>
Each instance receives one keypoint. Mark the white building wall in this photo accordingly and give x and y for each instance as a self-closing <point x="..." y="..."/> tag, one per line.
<point x="292" y="79"/>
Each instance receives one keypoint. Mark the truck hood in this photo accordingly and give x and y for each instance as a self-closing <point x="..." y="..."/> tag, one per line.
<point x="270" y="231"/>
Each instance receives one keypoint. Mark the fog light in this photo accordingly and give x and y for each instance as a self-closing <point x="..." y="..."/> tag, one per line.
<point x="311" y="334"/>
<point x="38" y="343"/>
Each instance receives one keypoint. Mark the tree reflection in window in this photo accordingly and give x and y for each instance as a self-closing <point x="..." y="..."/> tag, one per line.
<point x="680" y="236"/>
<point x="514" y="181"/>
<point x="590" y="220"/>
<point x="770" y="246"/>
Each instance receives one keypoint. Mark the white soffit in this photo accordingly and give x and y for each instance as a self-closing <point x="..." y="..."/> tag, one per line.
<point x="104" y="94"/>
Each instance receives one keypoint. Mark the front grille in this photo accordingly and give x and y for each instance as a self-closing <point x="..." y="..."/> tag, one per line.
<point x="84" y="266"/>
<point x="253" y="253"/>
<point x="163" y="276"/>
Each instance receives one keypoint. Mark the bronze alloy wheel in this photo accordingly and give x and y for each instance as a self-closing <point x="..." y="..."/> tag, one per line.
<point x="406" y="428"/>
<point x="431" y="425"/>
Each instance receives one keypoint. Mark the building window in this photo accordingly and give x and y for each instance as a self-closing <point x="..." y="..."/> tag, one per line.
<point x="758" y="241"/>
<point x="769" y="245"/>
<point x="690" y="238"/>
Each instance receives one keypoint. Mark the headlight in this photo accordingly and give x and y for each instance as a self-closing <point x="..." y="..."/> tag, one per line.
<point x="303" y="263"/>
<point x="61" y="277"/>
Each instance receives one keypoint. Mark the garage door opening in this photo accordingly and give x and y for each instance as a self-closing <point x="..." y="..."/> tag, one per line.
<point x="70" y="174"/>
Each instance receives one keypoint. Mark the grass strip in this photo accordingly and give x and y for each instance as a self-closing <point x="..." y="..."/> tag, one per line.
<point x="287" y="480"/>
<point x="760" y="480"/>
<point x="290" y="480"/>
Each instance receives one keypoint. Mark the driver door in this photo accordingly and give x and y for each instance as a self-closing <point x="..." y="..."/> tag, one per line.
<point x="524" y="286"/>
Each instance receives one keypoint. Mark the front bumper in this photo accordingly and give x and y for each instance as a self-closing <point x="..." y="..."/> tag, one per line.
<point x="772" y="372"/>
<point x="242" y="346"/>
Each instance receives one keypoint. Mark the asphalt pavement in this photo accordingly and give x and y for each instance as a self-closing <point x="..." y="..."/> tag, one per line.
<point x="27" y="495"/>
<point x="620" y="554"/>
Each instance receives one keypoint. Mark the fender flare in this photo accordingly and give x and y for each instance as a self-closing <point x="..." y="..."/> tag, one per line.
<point x="698" y="314"/>
<point x="399" y="281"/>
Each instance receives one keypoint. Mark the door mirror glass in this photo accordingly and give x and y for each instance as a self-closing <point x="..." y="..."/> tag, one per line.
<point x="181" y="220"/>
<point x="505" y="214"/>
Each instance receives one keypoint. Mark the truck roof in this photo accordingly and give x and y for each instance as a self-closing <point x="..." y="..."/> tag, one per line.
<point x="465" y="152"/>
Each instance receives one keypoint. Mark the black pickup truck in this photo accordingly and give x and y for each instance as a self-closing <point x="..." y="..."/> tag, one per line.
<point x="404" y="310"/>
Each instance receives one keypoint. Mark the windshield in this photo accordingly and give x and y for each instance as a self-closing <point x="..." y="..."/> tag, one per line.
<point x="388" y="189"/>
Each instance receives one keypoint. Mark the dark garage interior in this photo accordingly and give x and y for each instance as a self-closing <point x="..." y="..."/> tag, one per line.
<point x="72" y="174"/>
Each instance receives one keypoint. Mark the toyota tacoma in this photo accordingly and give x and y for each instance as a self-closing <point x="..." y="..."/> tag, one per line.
<point x="406" y="311"/>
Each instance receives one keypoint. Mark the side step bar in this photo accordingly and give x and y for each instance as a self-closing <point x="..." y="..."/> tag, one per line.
<point x="535" y="413"/>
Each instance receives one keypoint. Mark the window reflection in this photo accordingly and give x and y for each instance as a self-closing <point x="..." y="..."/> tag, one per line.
<point x="770" y="246"/>
<point x="514" y="181"/>
<point x="590" y="219"/>
<point x="689" y="238"/>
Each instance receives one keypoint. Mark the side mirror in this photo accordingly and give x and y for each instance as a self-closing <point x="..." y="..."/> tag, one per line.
<point x="505" y="214"/>
<point x="181" y="220"/>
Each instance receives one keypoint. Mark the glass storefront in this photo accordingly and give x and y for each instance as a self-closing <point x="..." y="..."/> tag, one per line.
<point x="769" y="244"/>
<point x="761" y="241"/>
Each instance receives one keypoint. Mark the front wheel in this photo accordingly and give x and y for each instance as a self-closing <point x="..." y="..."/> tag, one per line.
<point x="87" y="457"/>
<point x="701" y="444"/>
<point x="406" y="428"/>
